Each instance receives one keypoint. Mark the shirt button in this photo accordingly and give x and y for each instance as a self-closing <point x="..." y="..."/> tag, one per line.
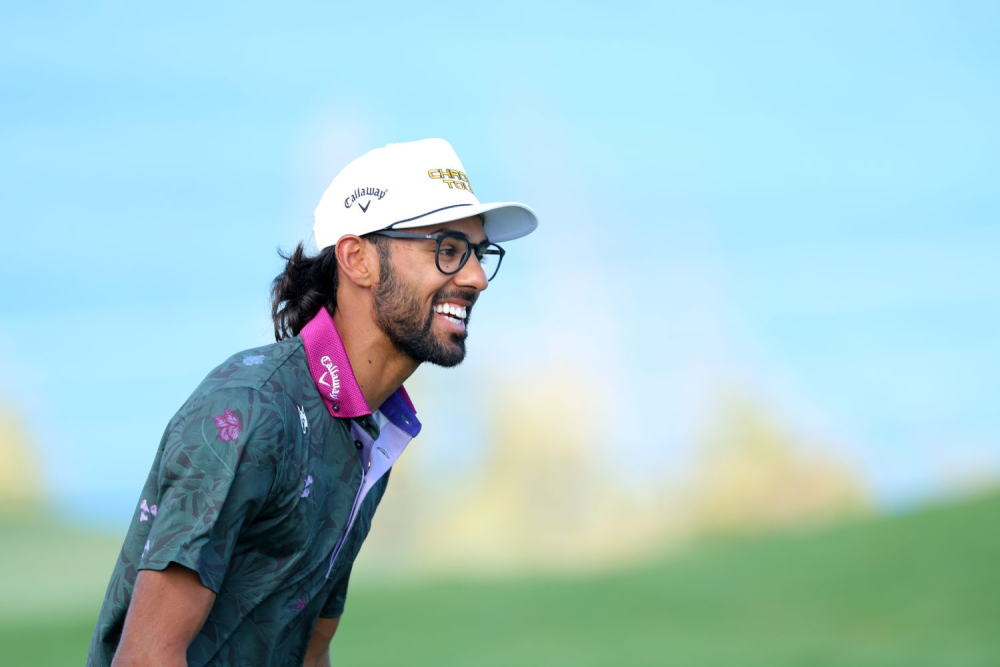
<point x="357" y="443"/>
<point x="336" y="408"/>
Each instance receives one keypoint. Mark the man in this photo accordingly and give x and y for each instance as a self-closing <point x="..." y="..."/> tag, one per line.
<point x="267" y="478"/>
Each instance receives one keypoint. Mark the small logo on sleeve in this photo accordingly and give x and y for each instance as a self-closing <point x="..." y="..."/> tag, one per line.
<point x="302" y="419"/>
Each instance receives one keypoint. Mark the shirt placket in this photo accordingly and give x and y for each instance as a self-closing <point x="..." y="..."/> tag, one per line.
<point x="377" y="456"/>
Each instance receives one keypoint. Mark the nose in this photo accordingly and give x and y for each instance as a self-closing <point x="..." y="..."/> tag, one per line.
<point x="472" y="275"/>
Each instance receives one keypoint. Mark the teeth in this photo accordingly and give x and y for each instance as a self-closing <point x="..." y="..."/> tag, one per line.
<point x="457" y="312"/>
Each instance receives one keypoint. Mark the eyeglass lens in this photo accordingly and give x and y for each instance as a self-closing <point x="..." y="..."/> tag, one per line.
<point x="454" y="251"/>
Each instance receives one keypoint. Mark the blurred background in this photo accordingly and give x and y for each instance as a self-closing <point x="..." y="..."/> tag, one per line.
<point x="734" y="403"/>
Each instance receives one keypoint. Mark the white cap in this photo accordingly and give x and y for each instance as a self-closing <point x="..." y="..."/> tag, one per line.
<point x="411" y="185"/>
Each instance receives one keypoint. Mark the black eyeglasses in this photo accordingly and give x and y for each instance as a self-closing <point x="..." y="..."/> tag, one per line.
<point x="453" y="251"/>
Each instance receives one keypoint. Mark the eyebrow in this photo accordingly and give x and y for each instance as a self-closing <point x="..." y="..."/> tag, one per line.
<point x="446" y="230"/>
<point x="462" y="234"/>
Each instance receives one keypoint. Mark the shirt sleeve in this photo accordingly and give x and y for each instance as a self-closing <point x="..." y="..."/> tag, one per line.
<point x="216" y="468"/>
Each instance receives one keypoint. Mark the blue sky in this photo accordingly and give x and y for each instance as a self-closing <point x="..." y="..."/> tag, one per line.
<point x="799" y="202"/>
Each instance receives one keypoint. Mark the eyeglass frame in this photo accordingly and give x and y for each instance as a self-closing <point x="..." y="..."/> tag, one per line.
<point x="473" y="248"/>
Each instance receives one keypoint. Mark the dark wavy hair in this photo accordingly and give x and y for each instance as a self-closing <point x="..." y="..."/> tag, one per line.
<point x="307" y="284"/>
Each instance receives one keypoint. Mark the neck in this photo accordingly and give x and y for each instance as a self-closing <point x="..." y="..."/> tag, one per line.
<point x="379" y="367"/>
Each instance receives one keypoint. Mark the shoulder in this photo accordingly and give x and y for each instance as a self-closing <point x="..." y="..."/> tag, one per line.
<point x="268" y="372"/>
<point x="245" y="394"/>
<point x="259" y="368"/>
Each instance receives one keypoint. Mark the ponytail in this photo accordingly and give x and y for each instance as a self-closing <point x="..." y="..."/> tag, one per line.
<point x="306" y="285"/>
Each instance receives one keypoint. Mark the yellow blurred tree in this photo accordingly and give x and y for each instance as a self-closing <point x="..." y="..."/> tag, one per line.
<point x="547" y="495"/>
<point x="753" y="474"/>
<point x="20" y="479"/>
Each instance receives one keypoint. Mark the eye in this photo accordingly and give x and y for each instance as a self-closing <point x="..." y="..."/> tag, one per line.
<point x="452" y="248"/>
<point x="488" y="256"/>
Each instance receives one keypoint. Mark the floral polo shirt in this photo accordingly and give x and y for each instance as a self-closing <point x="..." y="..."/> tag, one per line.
<point x="265" y="484"/>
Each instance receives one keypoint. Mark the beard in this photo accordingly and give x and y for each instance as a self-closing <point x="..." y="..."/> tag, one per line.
<point x="401" y="317"/>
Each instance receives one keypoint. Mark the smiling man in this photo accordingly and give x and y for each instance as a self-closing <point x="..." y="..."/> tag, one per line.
<point x="266" y="480"/>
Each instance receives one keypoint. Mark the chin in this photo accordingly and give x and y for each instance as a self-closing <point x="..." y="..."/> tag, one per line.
<point x="451" y="353"/>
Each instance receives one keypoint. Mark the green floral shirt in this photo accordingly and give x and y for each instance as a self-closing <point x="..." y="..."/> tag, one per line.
<point x="259" y="488"/>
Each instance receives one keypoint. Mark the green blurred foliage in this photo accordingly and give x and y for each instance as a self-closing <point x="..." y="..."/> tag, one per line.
<point x="909" y="590"/>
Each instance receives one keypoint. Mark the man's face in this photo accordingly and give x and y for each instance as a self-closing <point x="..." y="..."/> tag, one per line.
<point x="424" y="312"/>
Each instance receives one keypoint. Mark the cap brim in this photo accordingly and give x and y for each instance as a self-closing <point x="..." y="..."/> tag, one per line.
<point x="503" y="221"/>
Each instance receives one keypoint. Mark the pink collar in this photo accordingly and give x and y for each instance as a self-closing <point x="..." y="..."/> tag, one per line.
<point x="331" y="369"/>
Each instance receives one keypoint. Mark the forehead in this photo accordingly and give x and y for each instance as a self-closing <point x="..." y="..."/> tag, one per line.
<point x="471" y="227"/>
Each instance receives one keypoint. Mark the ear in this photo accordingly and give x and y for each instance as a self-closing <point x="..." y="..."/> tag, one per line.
<point x="358" y="260"/>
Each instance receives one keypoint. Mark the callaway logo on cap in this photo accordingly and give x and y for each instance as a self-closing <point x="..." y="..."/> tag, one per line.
<point x="411" y="185"/>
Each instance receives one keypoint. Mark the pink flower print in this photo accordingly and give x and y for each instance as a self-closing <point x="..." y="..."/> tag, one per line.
<point x="146" y="510"/>
<point x="308" y="483"/>
<point x="300" y="604"/>
<point x="229" y="426"/>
